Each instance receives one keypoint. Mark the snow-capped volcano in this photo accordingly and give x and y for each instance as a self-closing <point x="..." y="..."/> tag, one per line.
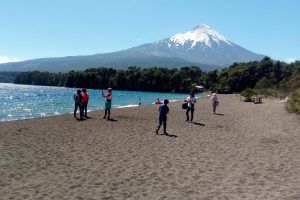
<point x="201" y="45"/>
<point x="203" y="34"/>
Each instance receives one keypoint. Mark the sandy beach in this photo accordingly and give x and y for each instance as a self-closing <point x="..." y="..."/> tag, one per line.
<point x="248" y="151"/>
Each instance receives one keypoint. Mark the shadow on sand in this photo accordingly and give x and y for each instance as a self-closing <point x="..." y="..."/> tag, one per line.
<point x="112" y="120"/>
<point x="199" y="124"/>
<point x="169" y="135"/>
<point x="219" y="114"/>
<point x="78" y="119"/>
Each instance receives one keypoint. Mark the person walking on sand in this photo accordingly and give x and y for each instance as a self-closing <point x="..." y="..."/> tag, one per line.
<point x="215" y="102"/>
<point x="191" y="100"/>
<point x="78" y="104"/>
<point x="108" y="99"/>
<point x="163" y="111"/>
<point x="85" y="101"/>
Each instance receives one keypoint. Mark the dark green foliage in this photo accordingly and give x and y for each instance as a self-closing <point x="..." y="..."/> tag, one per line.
<point x="134" y="78"/>
<point x="264" y="83"/>
<point x="293" y="103"/>
<point x="265" y="76"/>
<point x="8" y="77"/>
<point x="247" y="93"/>
<point x="41" y="78"/>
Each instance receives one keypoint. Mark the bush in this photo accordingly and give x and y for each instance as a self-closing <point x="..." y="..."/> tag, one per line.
<point x="293" y="103"/>
<point x="247" y="93"/>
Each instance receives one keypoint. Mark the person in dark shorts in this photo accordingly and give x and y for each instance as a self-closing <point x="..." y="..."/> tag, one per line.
<point x="191" y="100"/>
<point x="163" y="111"/>
<point x="78" y="104"/>
<point x="85" y="101"/>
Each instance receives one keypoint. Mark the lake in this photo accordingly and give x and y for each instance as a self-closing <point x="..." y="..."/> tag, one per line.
<point x="27" y="101"/>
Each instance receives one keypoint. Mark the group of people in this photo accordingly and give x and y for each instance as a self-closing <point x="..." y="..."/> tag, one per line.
<point x="81" y="99"/>
<point x="188" y="104"/>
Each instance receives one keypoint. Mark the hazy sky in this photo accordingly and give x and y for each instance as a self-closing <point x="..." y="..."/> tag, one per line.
<point x="51" y="28"/>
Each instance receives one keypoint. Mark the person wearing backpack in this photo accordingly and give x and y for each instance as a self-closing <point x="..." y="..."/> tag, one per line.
<point x="78" y="104"/>
<point x="191" y="100"/>
<point x="85" y="101"/>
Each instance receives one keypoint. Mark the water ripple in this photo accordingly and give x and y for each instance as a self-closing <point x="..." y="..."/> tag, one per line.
<point x="26" y="101"/>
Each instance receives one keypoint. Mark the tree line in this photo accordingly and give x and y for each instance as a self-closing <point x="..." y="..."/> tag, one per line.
<point x="264" y="75"/>
<point x="8" y="77"/>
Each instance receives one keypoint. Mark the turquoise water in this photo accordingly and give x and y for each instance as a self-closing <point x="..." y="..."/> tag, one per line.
<point x="26" y="101"/>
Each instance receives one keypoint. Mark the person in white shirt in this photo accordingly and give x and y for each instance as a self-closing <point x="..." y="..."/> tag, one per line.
<point x="214" y="102"/>
<point x="191" y="100"/>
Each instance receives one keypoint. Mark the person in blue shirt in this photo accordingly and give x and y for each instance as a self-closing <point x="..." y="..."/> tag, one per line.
<point x="163" y="111"/>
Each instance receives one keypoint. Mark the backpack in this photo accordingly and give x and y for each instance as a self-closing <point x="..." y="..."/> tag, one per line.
<point x="184" y="105"/>
<point x="77" y="98"/>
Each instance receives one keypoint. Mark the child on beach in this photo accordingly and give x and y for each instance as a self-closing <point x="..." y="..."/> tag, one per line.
<point x="191" y="100"/>
<point x="163" y="111"/>
<point x="85" y="101"/>
<point x="157" y="101"/>
<point x="214" y="102"/>
<point x="108" y="99"/>
<point x="78" y="104"/>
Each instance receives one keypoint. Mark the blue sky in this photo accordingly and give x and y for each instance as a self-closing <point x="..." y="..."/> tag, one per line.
<point x="52" y="28"/>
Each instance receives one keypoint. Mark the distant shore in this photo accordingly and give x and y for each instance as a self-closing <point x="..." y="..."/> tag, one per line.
<point x="246" y="151"/>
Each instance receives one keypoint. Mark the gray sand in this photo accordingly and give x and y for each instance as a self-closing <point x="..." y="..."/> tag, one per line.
<point x="249" y="152"/>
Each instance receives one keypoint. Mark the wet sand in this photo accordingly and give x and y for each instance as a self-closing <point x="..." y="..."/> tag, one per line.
<point x="248" y="151"/>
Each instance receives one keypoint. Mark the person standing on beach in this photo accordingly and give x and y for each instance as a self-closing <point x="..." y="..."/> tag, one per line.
<point x="140" y="102"/>
<point x="191" y="100"/>
<point x="215" y="102"/>
<point x="108" y="99"/>
<point x="78" y="104"/>
<point x="163" y="111"/>
<point x="85" y="101"/>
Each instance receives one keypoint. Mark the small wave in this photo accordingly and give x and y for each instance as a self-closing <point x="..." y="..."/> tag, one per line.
<point x="174" y="100"/>
<point x="128" y="106"/>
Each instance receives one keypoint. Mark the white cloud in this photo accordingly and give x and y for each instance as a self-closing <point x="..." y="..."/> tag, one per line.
<point x="291" y="59"/>
<point x="6" y="59"/>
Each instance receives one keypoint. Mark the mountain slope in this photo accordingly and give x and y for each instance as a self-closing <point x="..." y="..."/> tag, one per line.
<point x="201" y="47"/>
<point x="121" y="59"/>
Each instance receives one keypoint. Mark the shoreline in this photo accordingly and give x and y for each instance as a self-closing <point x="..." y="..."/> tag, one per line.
<point x="99" y="109"/>
<point x="247" y="151"/>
